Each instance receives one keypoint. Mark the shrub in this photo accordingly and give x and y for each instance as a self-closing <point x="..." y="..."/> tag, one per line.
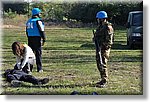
<point x="9" y="14"/>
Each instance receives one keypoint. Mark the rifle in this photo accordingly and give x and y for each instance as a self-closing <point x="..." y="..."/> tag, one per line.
<point x="98" y="49"/>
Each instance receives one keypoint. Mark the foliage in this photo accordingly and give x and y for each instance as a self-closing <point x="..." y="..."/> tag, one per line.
<point x="51" y="11"/>
<point x="83" y="12"/>
<point x="117" y="12"/>
<point x="18" y="7"/>
<point x="9" y="14"/>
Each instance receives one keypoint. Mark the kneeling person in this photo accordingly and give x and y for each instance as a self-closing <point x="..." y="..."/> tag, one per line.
<point x="24" y="55"/>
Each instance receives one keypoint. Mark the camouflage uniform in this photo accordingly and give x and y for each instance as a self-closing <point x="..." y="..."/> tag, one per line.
<point x="104" y="36"/>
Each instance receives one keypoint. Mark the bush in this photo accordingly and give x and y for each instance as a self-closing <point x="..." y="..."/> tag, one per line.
<point x="10" y="14"/>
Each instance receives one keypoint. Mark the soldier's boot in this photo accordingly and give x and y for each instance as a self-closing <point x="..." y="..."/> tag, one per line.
<point x="102" y="83"/>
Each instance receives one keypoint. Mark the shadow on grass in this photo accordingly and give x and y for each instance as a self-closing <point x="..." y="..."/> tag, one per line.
<point x="88" y="46"/>
<point x="117" y="45"/>
<point x="55" y="86"/>
<point x="126" y="59"/>
<point x="63" y="48"/>
<point x="69" y="41"/>
<point x="125" y="47"/>
<point x="70" y="59"/>
<point x="120" y="47"/>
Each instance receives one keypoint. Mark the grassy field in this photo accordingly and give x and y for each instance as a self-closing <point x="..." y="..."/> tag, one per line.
<point x="69" y="63"/>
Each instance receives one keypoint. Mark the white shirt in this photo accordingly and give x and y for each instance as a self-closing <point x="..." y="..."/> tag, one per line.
<point x="28" y="57"/>
<point x="41" y="26"/>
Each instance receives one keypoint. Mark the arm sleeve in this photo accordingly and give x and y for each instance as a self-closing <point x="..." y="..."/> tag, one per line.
<point x="25" y="59"/>
<point x="18" y="60"/>
<point x="109" y="36"/>
<point x="97" y="31"/>
<point x="41" y="30"/>
<point x="26" y="31"/>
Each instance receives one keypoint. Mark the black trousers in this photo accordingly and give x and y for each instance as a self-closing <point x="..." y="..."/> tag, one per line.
<point x="35" y="43"/>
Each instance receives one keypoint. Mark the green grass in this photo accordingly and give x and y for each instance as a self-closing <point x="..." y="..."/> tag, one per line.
<point x="69" y="63"/>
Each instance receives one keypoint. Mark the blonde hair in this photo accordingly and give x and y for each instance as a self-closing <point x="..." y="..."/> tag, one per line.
<point x="18" y="49"/>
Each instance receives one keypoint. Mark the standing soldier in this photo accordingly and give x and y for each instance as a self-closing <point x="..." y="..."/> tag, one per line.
<point x="35" y="31"/>
<point x="104" y="37"/>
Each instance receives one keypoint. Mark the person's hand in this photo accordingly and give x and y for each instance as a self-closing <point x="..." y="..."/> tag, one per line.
<point x="107" y="46"/>
<point x="43" y="42"/>
<point x="19" y="66"/>
<point x="93" y="39"/>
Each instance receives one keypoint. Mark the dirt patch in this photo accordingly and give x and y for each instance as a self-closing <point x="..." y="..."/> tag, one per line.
<point x="9" y="26"/>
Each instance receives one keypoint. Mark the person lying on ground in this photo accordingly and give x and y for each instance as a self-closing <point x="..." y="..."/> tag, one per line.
<point x="16" y="77"/>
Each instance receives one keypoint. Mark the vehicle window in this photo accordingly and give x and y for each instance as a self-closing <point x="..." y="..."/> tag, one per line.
<point x="137" y="19"/>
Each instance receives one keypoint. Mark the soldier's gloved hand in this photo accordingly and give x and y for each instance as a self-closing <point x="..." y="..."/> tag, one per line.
<point x="106" y="46"/>
<point x="42" y="42"/>
<point x="93" y="39"/>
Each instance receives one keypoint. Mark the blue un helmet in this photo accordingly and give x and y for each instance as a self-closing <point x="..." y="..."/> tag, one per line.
<point x="101" y="14"/>
<point x="36" y="11"/>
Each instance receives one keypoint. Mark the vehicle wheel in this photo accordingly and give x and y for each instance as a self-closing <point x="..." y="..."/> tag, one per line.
<point x="127" y="42"/>
<point x="131" y="45"/>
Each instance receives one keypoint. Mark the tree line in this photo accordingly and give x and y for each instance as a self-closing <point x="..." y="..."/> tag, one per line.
<point x="80" y="12"/>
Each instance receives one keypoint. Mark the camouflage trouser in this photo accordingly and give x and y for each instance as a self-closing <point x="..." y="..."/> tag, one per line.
<point x="103" y="70"/>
